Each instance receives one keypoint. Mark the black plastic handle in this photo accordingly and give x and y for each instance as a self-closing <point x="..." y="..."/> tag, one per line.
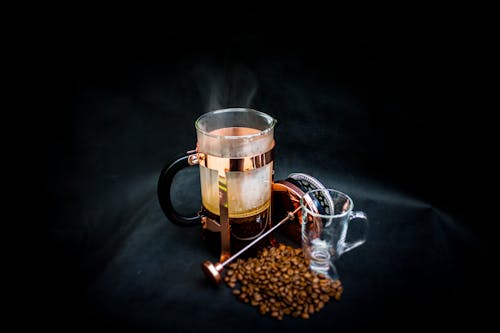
<point x="163" y="190"/>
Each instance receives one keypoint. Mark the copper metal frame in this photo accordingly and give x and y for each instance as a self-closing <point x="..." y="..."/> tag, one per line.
<point x="223" y="165"/>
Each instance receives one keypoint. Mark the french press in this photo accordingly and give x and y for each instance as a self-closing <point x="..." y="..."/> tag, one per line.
<point x="240" y="199"/>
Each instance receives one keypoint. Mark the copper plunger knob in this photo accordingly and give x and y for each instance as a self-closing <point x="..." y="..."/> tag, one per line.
<point x="212" y="271"/>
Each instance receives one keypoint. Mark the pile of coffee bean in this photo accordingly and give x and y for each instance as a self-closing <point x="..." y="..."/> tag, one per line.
<point x="278" y="282"/>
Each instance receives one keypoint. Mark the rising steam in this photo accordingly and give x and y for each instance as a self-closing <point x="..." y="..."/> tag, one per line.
<point x="226" y="87"/>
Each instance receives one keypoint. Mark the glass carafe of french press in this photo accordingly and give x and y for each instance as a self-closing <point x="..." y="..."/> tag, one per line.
<point x="234" y="152"/>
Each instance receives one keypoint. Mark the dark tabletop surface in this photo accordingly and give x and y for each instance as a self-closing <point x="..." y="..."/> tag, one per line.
<point x="371" y="114"/>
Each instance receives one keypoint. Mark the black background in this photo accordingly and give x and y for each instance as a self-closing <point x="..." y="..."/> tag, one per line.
<point x="388" y="116"/>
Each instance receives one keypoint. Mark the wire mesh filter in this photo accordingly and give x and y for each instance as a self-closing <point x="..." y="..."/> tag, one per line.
<point x="323" y="203"/>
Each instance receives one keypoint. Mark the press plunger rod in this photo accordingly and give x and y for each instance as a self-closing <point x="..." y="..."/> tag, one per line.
<point x="212" y="270"/>
<point x="290" y="216"/>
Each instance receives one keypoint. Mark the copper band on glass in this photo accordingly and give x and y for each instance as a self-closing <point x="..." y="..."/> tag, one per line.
<point x="235" y="164"/>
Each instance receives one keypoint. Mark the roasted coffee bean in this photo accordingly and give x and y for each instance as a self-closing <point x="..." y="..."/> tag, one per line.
<point x="278" y="283"/>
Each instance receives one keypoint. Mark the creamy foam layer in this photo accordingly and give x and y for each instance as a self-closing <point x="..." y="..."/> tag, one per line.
<point x="249" y="192"/>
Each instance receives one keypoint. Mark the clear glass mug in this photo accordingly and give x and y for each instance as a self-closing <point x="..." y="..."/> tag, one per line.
<point x="326" y="216"/>
<point x="234" y="152"/>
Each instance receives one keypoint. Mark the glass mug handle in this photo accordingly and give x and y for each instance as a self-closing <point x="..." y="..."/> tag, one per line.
<point x="163" y="190"/>
<point x="348" y="246"/>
